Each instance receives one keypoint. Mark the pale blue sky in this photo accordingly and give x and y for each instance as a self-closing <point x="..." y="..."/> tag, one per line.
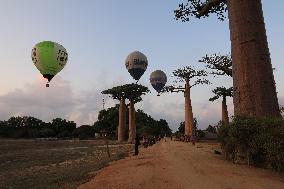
<point x="98" y="35"/>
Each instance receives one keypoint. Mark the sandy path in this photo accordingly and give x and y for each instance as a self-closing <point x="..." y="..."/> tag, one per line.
<point x="177" y="165"/>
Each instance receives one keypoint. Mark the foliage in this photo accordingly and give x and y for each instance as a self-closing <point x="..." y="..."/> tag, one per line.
<point x="261" y="140"/>
<point x="187" y="74"/>
<point x="201" y="8"/>
<point x="129" y="91"/>
<point x="200" y="133"/>
<point x="145" y="124"/>
<point x="211" y="129"/>
<point x="219" y="64"/>
<point x="135" y="91"/>
<point x="182" y="125"/>
<point x="30" y="127"/>
<point x="59" y="125"/>
<point x="84" y="132"/>
<point x="107" y="120"/>
<point x="221" y="92"/>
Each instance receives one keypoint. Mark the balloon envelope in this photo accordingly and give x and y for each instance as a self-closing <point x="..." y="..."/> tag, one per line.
<point x="136" y="63"/>
<point x="49" y="58"/>
<point x="158" y="80"/>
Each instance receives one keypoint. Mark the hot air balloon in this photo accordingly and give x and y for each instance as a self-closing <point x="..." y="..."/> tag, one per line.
<point x="158" y="80"/>
<point x="136" y="63"/>
<point x="49" y="58"/>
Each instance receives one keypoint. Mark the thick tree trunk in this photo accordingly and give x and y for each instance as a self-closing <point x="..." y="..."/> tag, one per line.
<point x="188" y="111"/>
<point x="132" y="126"/>
<point x="225" y="117"/>
<point x="254" y="86"/>
<point x="121" y="125"/>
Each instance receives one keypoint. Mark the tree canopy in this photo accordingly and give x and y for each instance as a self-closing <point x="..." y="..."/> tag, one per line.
<point x="201" y="9"/>
<point x="187" y="73"/>
<point x="145" y="124"/>
<point x="221" y="92"/>
<point x="219" y="64"/>
<point x="30" y="127"/>
<point x="130" y="91"/>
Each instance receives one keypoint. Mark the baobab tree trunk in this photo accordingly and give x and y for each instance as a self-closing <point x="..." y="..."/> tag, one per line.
<point x="188" y="111"/>
<point x="254" y="85"/>
<point x="225" y="117"/>
<point x="121" y="125"/>
<point x="132" y="126"/>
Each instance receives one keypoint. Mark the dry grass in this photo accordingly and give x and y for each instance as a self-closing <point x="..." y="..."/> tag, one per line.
<point x="53" y="164"/>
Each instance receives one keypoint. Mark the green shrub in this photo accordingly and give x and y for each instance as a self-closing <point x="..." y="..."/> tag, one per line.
<point x="47" y="132"/>
<point x="64" y="134"/>
<point x="261" y="141"/>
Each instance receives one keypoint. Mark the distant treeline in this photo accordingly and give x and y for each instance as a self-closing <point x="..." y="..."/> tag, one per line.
<point x="30" y="127"/>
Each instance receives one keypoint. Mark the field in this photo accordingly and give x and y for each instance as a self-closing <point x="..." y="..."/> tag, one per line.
<point x="53" y="164"/>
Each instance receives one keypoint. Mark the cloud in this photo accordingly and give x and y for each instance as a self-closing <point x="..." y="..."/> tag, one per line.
<point x="171" y="108"/>
<point x="58" y="100"/>
<point x="38" y="101"/>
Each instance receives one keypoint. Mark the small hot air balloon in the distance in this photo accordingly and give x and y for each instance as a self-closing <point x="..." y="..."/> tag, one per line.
<point x="136" y="63"/>
<point x="49" y="58"/>
<point x="158" y="80"/>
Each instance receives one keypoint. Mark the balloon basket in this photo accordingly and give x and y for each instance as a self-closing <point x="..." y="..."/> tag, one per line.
<point x="158" y="94"/>
<point x="47" y="85"/>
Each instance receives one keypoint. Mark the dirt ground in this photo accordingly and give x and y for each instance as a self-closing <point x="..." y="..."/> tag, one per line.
<point x="177" y="165"/>
<point x="53" y="164"/>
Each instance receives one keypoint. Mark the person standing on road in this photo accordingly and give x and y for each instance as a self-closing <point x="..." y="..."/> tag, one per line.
<point x="136" y="146"/>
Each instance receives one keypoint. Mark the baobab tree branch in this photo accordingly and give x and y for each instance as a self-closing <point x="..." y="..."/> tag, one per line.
<point x="205" y="9"/>
<point x="200" y="81"/>
<point x="172" y="89"/>
<point x="221" y="64"/>
<point x="201" y="8"/>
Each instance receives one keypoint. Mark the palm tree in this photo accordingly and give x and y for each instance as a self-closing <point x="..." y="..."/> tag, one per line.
<point x="223" y="92"/>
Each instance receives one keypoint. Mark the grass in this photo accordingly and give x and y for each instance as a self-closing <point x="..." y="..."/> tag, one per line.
<point x="53" y="164"/>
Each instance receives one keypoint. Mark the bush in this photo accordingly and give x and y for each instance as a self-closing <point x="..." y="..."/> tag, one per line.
<point x="84" y="132"/>
<point x="200" y="133"/>
<point x="261" y="141"/>
<point x="47" y="132"/>
<point x="64" y="134"/>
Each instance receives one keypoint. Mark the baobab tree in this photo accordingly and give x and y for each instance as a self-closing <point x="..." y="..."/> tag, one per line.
<point x="253" y="80"/>
<point x="119" y="94"/>
<point x="133" y="93"/>
<point x="223" y="92"/>
<point x="218" y="64"/>
<point x="191" y="77"/>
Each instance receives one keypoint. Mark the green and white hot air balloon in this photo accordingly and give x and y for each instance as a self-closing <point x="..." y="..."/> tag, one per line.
<point x="49" y="58"/>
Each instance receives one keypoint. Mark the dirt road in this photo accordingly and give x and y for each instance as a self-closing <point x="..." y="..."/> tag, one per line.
<point x="177" y="165"/>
